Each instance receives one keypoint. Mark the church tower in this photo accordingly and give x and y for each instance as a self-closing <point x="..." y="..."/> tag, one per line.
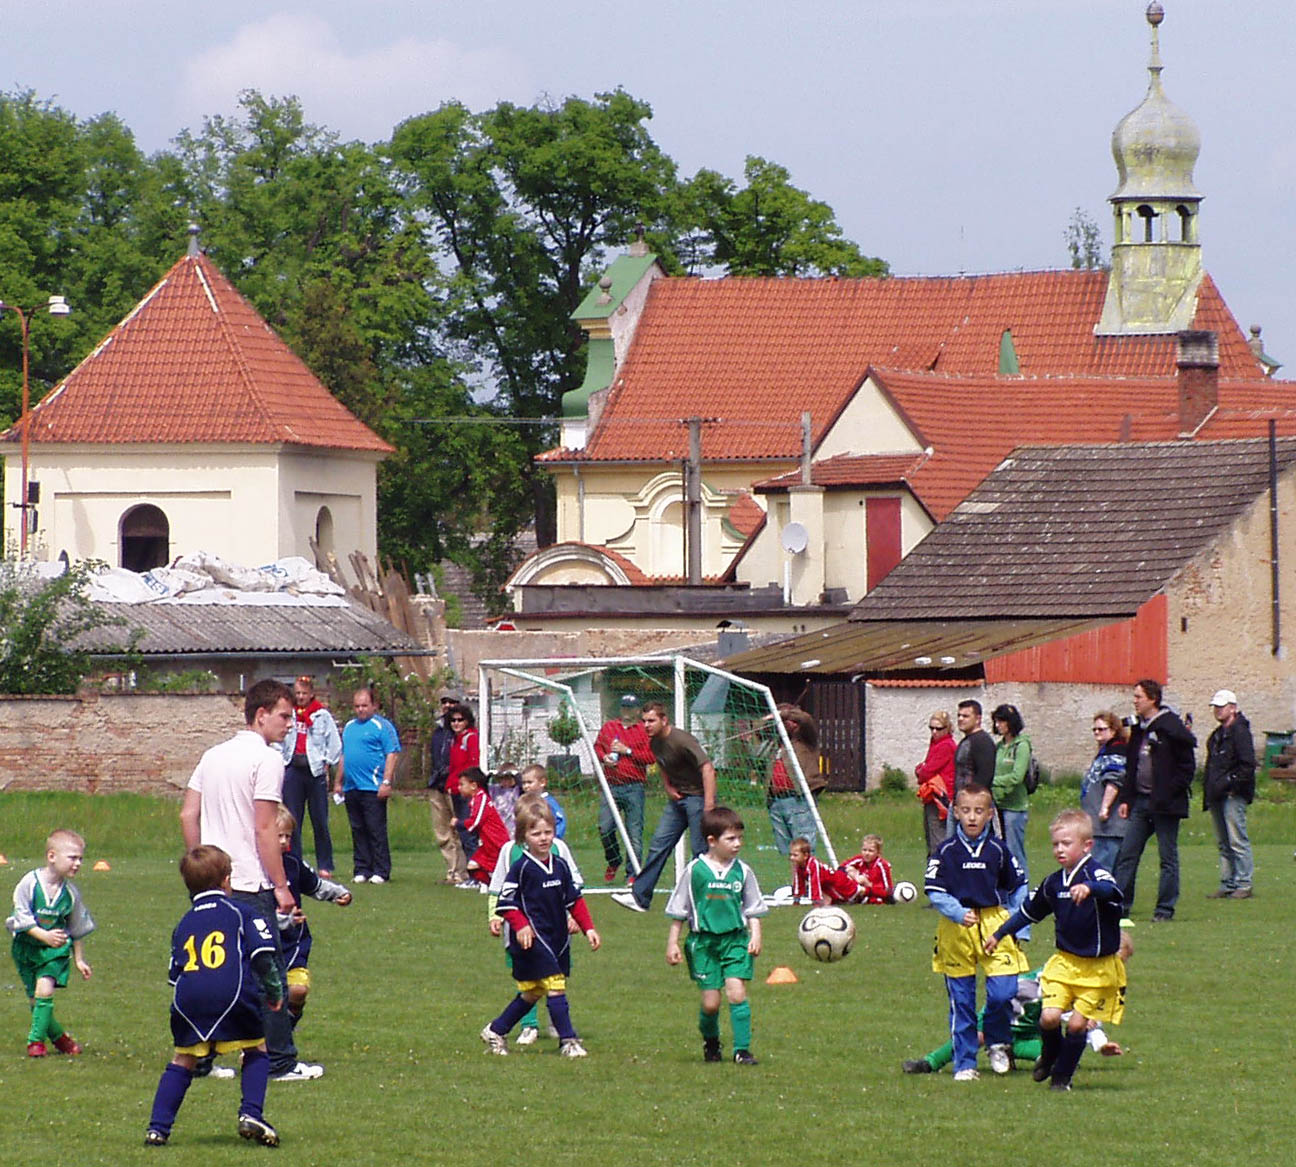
<point x="1156" y="253"/>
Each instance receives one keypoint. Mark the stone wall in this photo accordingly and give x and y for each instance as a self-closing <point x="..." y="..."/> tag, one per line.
<point x="107" y="743"/>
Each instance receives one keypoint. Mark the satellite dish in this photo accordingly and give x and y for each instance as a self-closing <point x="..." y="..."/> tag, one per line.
<point x="795" y="538"/>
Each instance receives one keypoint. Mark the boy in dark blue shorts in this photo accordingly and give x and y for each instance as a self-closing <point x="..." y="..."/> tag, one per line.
<point x="222" y="961"/>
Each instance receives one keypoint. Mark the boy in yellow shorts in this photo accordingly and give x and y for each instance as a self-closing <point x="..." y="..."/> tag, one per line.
<point x="974" y="882"/>
<point x="1086" y="975"/>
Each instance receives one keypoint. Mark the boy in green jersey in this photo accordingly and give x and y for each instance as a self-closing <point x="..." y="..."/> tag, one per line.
<point x="718" y="896"/>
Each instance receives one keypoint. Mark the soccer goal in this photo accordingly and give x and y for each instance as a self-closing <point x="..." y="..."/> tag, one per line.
<point x="550" y="711"/>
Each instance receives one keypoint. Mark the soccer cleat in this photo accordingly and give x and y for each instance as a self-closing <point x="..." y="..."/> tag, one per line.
<point x="570" y="1047"/>
<point x="36" y="1049"/>
<point x="360" y="879"/>
<point x="1161" y="917"/>
<point x="1000" y="1059"/>
<point x="255" y="1128"/>
<point x="529" y="1035"/>
<point x="65" y="1043"/>
<point x="744" y="1057"/>
<point x="966" y="1076"/>
<point x="1220" y="893"/>
<point x="376" y="879"/>
<point x="917" y="1066"/>
<point x="496" y="1043"/>
<point x="223" y="1072"/>
<point x="1241" y="893"/>
<point x="711" y="1050"/>
<point x="627" y="900"/>
<point x="467" y="885"/>
<point x="154" y="1138"/>
<point x="610" y="872"/>
<point x="1042" y="1071"/>
<point x="1060" y="1084"/>
<point x="301" y="1072"/>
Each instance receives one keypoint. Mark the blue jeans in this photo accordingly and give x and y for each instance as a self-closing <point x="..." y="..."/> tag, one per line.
<point x="306" y="792"/>
<point x="678" y="816"/>
<point x="1105" y="850"/>
<point x="1236" y="864"/>
<point x="629" y="798"/>
<point x="1014" y="829"/>
<point x="278" y="1023"/>
<point x="790" y="818"/>
<point x="1143" y="824"/>
<point x="995" y="1021"/>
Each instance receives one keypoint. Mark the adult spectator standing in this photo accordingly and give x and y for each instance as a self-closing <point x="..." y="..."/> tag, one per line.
<point x="790" y="814"/>
<point x="690" y="782"/>
<point x="310" y="747"/>
<point x="1154" y="797"/>
<point x="440" y="798"/>
<point x="623" y="750"/>
<point x="465" y="752"/>
<point x="231" y="802"/>
<point x="935" y="774"/>
<point x="1012" y="800"/>
<point x="974" y="759"/>
<point x="1228" y="789"/>
<point x="364" y="779"/>
<point x="1101" y="787"/>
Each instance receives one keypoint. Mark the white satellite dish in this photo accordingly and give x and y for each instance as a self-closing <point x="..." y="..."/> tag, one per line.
<point x="795" y="538"/>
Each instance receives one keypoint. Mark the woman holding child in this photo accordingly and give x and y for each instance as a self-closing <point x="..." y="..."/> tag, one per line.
<point x="935" y="775"/>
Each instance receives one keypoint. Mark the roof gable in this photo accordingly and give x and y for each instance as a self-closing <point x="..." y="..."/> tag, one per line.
<point x="194" y="362"/>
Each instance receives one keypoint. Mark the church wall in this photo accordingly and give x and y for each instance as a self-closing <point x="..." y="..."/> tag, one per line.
<point x="344" y="482"/>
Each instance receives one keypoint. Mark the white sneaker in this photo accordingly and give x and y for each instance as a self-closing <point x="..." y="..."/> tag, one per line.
<point x="966" y="1076"/>
<point x="551" y="1031"/>
<point x="495" y="1043"/>
<point x="572" y="1048"/>
<point x="529" y="1035"/>
<point x="361" y="879"/>
<point x="223" y="1072"/>
<point x="301" y="1072"/>
<point x="376" y="879"/>
<point x="1000" y="1059"/>
<point x="627" y="900"/>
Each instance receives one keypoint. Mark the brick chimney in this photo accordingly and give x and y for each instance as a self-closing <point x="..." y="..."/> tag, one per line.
<point x="1198" y="378"/>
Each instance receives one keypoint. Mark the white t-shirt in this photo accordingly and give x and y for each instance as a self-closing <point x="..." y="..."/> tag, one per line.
<point x="231" y="778"/>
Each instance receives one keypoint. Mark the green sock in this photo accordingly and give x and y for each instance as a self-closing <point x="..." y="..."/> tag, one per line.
<point x="52" y="1027"/>
<point x="42" y="1011"/>
<point x="709" y="1023"/>
<point x="740" y="1018"/>
<point x="532" y="1019"/>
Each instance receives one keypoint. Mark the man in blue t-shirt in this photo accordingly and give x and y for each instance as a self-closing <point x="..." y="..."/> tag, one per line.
<point x="364" y="778"/>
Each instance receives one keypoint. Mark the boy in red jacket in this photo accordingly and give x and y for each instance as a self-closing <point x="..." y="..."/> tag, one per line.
<point x="483" y="819"/>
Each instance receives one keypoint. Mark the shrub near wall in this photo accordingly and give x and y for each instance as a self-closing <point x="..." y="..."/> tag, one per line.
<point x="109" y="742"/>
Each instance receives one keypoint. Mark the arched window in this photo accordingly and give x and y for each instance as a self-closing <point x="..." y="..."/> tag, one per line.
<point x="1149" y="217"/>
<point x="145" y="538"/>
<point x="324" y="531"/>
<point x="1185" y="223"/>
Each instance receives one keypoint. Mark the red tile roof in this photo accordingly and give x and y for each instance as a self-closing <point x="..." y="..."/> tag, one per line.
<point x="753" y="353"/>
<point x="194" y="362"/>
<point x="746" y="515"/>
<point x="846" y="470"/>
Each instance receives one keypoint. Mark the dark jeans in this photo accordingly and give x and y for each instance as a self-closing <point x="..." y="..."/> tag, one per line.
<point x="278" y="1025"/>
<point x="467" y="839"/>
<point x="678" y="816"/>
<point x="367" y="814"/>
<point x="302" y="792"/>
<point x="1143" y="824"/>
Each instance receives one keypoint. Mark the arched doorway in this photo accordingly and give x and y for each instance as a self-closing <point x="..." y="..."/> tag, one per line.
<point x="145" y="538"/>
<point x="324" y="531"/>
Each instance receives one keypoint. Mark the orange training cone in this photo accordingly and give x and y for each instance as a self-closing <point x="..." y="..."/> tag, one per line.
<point x="782" y="975"/>
<point x="102" y="865"/>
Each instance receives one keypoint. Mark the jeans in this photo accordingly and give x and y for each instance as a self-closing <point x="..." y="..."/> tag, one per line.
<point x="278" y="1025"/>
<point x="447" y="837"/>
<point x="367" y="814"/>
<point x="306" y="792"/>
<point x="1014" y="831"/>
<point x="996" y="1020"/>
<point x="1105" y="850"/>
<point x="1143" y="824"/>
<point x="790" y="818"/>
<point x="1236" y="864"/>
<point x="678" y="816"/>
<point x="629" y="798"/>
<point x="933" y="826"/>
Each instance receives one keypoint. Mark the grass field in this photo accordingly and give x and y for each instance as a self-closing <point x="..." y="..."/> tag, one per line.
<point x="407" y="976"/>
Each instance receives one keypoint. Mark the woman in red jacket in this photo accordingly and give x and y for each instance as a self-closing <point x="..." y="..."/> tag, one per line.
<point x="936" y="779"/>
<point x="465" y="752"/>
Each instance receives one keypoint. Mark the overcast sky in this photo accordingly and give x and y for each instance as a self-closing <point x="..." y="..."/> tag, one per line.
<point x="948" y="135"/>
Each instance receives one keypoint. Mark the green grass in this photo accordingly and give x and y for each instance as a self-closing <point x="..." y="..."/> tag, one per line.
<point x="406" y="977"/>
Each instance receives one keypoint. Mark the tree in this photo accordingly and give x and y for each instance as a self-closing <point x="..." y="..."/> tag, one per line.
<point x="1084" y="241"/>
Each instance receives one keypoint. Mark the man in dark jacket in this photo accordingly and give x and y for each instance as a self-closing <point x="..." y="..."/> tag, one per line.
<point x="1229" y="787"/>
<point x="974" y="759"/>
<point x="1154" y="797"/>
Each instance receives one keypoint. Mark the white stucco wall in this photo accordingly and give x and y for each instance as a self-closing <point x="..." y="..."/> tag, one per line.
<point x="868" y="425"/>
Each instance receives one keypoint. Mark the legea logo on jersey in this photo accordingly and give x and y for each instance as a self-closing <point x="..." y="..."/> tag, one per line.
<point x="974" y="865"/>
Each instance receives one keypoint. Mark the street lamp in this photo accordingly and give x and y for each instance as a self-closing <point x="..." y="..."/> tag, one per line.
<point x="55" y="306"/>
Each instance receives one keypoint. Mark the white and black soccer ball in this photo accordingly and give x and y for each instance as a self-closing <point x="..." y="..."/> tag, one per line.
<point x="904" y="892"/>
<point x="826" y="934"/>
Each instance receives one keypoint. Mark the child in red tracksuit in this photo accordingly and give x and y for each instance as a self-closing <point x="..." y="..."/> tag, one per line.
<point x="814" y="880"/>
<point x="483" y="819"/>
<point x="870" y="872"/>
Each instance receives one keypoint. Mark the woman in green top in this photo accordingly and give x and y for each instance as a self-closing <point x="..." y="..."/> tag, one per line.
<point x="1012" y="756"/>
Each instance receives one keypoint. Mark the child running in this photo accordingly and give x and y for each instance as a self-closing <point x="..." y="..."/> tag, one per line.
<point x="48" y="925"/>
<point x="970" y="876"/>
<point x="222" y="961"/>
<point x="538" y="893"/>
<point x="719" y="897"/>
<point x="483" y="820"/>
<point x="1086" y="973"/>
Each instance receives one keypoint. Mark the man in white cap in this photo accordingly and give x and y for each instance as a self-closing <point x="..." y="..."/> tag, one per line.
<point x="1228" y="788"/>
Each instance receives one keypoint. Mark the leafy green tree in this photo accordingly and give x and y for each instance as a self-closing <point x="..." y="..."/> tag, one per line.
<point x="1084" y="241"/>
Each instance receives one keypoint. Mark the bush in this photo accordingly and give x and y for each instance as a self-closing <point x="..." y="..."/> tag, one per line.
<point x="894" y="780"/>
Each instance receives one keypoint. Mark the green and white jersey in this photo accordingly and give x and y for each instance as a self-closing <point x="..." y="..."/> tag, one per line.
<point x="714" y="898"/>
<point x="59" y="907"/>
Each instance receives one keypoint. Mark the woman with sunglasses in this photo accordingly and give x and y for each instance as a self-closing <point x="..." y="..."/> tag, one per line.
<point x="465" y="752"/>
<point x="935" y="775"/>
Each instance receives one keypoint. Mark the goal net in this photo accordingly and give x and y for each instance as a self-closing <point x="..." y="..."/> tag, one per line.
<point x="550" y="711"/>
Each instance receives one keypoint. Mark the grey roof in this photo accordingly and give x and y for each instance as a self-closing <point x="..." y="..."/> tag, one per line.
<point x="259" y="628"/>
<point x="1076" y="531"/>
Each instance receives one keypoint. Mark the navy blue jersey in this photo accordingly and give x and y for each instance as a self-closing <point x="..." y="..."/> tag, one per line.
<point x="296" y="938"/>
<point x="217" y="997"/>
<point x="543" y="892"/>
<point x="1091" y="928"/>
<point x="979" y="873"/>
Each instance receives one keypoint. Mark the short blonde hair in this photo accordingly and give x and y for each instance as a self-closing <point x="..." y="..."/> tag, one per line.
<point x="529" y="809"/>
<point x="63" y="837"/>
<point x="285" y="820"/>
<point x="873" y="839"/>
<point x="1074" y="817"/>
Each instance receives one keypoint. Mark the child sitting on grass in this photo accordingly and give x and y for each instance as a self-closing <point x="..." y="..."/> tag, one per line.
<point x="48" y="925"/>
<point x="538" y="895"/>
<point x="814" y="880"/>
<point x="871" y="873"/>
<point x="222" y="962"/>
<point x="483" y="820"/>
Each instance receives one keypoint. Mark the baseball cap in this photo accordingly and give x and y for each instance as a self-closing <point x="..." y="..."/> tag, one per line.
<point x="629" y="701"/>
<point x="1224" y="697"/>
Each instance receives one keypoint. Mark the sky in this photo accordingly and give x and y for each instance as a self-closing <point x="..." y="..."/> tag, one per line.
<point x="948" y="135"/>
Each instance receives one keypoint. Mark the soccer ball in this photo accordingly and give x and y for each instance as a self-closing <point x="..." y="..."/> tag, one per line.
<point x="904" y="892"/>
<point x="826" y="934"/>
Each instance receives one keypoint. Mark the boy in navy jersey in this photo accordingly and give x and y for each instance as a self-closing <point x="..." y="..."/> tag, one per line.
<point x="971" y="876"/>
<point x="1086" y="974"/>
<point x="222" y="961"/>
